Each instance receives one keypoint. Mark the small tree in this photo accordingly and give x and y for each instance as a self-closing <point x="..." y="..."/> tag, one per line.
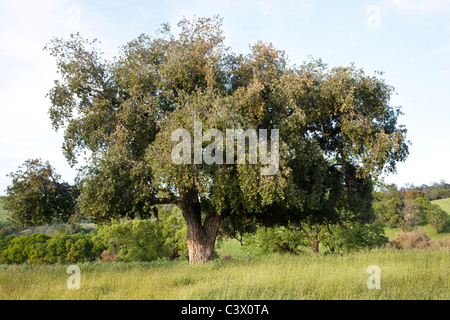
<point x="437" y="218"/>
<point x="411" y="213"/>
<point x="432" y="214"/>
<point x="37" y="196"/>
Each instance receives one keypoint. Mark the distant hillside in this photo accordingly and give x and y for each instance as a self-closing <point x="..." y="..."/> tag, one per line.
<point x="444" y="204"/>
<point x="3" y="212"/>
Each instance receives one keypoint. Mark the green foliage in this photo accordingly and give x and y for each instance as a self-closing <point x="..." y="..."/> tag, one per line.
<point x="432" y="214"/>
<point x="36" y="196"/>
<point x="35" y="248"/>
<point x="116" y="189"/>
<point x="408" y="208"/>
<point x="388" y="207"/>
<point x="355" y="236"/>
<point x="24" y="248"/>
<point x="135" y="240"/>
<point x="39" y="248"/>
<point x="80" y="250"/>
<point x="344" y="237"/>
<point x="15" y="251"/>
<point x="145" y="240"/>
<point x="268" y="240"/>
<point x="437" y="218"/>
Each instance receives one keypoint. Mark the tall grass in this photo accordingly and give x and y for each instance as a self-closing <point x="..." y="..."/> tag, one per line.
<point x="405" y="274"/>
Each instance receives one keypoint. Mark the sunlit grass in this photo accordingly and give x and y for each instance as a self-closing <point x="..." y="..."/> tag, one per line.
<point x="407" y="274"/>
<point x="444" y="204"/>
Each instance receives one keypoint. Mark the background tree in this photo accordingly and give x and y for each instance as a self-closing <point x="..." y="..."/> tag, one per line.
<point x="388" y="206"/>
<point x="337" y="131"/>
<point x="37" y="196"/>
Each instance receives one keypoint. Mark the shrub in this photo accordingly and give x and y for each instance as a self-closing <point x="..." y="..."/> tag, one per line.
<point x="416" y="239"/>
<point x="57" y="249"/>
<point x="36" y="248"/>
<point x="345" y="237"/>
<point x="266" y="240"/>
<point x="109" y="255"/>
<point x="354" y="236"/>
<point x="437" y="218"/>
<point x="31" y="249"/>
<point x="80" y="250"/>
<point x="39" y="248"/>
<point x="144" y="240"/>
<point x="15" y="251"/>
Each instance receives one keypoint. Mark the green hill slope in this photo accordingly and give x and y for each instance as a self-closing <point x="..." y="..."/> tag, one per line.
<point x="444" y="204"/>
<point x="3" y="212"/>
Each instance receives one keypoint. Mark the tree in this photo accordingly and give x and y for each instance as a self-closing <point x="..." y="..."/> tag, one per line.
<point x="337" y="131"/>
<point x="437" y="218"/>
<point x="389" y="207"/>
<point x="37" y="196"/>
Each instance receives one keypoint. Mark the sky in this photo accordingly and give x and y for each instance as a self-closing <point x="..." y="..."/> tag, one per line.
<point x="409" y="40"/>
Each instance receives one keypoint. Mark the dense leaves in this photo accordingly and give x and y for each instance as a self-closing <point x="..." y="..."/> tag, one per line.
<point x="40" y="248"/>
<point x="37" y="196"/>
<point x="144" y="240"/>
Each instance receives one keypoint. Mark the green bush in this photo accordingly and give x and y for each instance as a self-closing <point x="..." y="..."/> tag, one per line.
<point x="266" y="240"/>
<point x="80" y="250"/>
<point x="437" y="218"/>
<point x="40" y="248"/>
<point x="354" y="236"/>
<point x="36" y="248"/>
<point x="344" y="237"/>
<point x="15" y="251"/>
<point x="135" y="240"/>
<point x="144" y="240"/>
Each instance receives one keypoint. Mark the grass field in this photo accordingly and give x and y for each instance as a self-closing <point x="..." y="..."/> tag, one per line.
<point x="408" y="274"/>
<point x="405" y="275"/>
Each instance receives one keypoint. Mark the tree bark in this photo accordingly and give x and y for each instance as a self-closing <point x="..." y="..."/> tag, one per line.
<point x="315" y="246"/>
<point x="201" y="238"/>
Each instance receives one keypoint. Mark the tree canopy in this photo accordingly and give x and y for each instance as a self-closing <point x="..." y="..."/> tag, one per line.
<point x="37" y="195"/>
<point x="337" y="131"/>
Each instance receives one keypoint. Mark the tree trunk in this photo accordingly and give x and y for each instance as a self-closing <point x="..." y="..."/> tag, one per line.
<point x="200" y="243"/>
<point x="201" y="238"/>
<point x="315" y="246"/>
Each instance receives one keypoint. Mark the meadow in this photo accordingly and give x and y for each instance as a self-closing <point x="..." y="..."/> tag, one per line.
<point x="404" y="274"/>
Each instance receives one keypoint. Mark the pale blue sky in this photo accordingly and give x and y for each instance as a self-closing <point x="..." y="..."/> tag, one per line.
<point x="407" y="39"/>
